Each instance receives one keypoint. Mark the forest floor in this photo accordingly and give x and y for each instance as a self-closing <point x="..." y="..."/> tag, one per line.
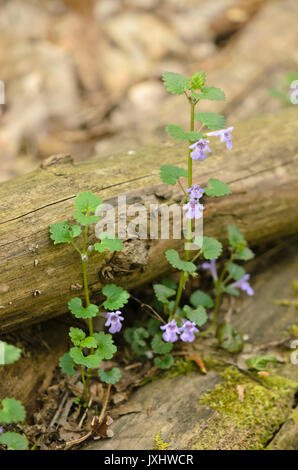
<point x="142" y="410"/>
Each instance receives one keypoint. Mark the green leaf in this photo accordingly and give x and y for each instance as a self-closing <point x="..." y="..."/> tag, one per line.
<point x="159" y="346"/>
<point x="260" y="362"/>
<point x="76" y="308"/>
<point x="211" y="120"/>
<point x="198" y="80"/>
<point x="116" y="297"/>
<point x="175" y="83"/>
<point x="139" y="335"/>
<point x="164" y="363"/>
<point x="178" y="133"/>
<point x="201" y="298"/>
<point x="168" y="282"/>
<point x="66" y="364"/>
<point x="12" y="411"/>
<point x="230" y="290"/>
<point x="89" y="342"/>
<point x="108" y="243"/>
<point x="8" y="353"/>
<point x="244" y="254"/>
<point x="198" y="316"/>
<point x="86" y="219"/>
<point x="237" y="272"/>
<point x="217" y="188"/>
<point x="153" y="326"/>
<point x="170" y="174"/>
<point x="163" y="293"/>
<point x="87" y="202"/>
<point x="175" y="260"/>
<point x="92" y="361"/>
<point x="211" y="248"/>
<point x="111" y="377"/>
<point x="77" y="335"/>
<point x="62" y="233"/>
<point x="236" y="238"/>
<point x="229" y="338"/>
<point x="193" y="136"/>
<point x="105" y="345"/>
<point x="14" y="441"/>
<point x="212" y="93"/>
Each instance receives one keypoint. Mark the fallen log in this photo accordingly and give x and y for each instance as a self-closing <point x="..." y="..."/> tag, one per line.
<point x="37" y="279"/>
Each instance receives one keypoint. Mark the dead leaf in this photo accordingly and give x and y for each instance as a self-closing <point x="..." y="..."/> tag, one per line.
<point x="149" y="409"/>
<point x="199" y="362"/>
<point x="240" y="391"/>
<point x="103" y="430"/>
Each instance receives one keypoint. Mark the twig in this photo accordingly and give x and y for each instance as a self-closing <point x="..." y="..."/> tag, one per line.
<point x="104" y="405"/>
<point x="58" y="412"/>
<point x="85" y="414"/>
<point x="96" y="422"/>
<point x="155" y="314"/>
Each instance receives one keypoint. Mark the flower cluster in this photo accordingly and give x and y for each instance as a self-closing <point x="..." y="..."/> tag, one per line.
<point x="224" y="135"/>
<point x="199" y="150"/>
<point x="114" y="321"/>
<point x="201" y="147"/>
<point x="186" y="331"/>
<point x="193" y="208"/>
<point x="242" y="284"/>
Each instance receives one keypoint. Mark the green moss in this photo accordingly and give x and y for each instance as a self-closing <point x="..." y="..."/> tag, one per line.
<point x="212" y="363"/>
<point x="249" y="424"/>
<point x="159" y="444"/>
<point x="292" y="331"/>
<point x="181" y="367"/>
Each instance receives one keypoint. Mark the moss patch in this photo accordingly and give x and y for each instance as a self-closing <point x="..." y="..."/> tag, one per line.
<point x="249" y="424"/>
<point x="159" y="444"/>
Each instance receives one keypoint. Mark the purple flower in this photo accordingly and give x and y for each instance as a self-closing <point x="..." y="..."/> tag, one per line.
<point x="244" y="285"/>
<point x="188" y="328"/>
<point x="224" y="135"/>
<point x="195" y="191"/>
<point x="114" y="321"/>
<point x="171" y="332"/>
<point x="199" y="150"/>
<point x="1" y="430"/>
<point x="194" y="210"/>
<point x="210" y="266"/>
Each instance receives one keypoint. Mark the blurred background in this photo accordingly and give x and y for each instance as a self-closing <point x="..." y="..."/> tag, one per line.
<point x="84" y="77"/>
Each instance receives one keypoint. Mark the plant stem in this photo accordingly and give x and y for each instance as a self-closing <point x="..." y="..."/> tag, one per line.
<point x="85" y="385"/>
<point x="218" y="285"/>
<point x="189" y="222"/>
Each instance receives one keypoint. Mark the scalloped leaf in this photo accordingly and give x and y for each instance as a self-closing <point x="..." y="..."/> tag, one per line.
<point x="170" y="174"/>
<point x="175" y="260"/>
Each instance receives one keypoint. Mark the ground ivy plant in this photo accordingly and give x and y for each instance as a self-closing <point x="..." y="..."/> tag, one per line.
<point x="11" y="410"/>
<point x="89" y="350"/>
<point x="184" y="321"/>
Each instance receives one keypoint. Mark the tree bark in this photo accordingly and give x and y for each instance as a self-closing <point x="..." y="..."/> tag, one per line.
<point x="37" y="278"/>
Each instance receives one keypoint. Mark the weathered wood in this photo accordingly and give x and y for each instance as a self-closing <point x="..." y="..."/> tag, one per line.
<point x="37" y="279"/>
<point x="32" y="374"/>
<point x="220" y="421"/>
